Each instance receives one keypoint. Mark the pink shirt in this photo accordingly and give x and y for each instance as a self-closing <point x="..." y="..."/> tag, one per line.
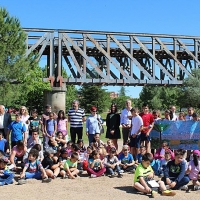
<point x="18" y="152"/>
<point x="193" y="175"/>
<point x="62" y="126"/>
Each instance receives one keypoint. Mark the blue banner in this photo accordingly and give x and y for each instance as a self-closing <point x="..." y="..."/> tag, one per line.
<point x="179" y="134"/>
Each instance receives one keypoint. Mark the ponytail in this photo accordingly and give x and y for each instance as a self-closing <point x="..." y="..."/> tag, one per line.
<point x="195" y="159"/>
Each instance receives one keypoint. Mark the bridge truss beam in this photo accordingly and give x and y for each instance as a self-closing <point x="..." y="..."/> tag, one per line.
<point x="109" y="58"/>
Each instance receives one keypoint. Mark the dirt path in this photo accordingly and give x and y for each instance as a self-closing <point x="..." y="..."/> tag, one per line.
<point x="84" y="188"/>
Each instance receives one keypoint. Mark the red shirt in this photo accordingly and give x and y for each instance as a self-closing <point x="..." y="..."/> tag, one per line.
<point x="147" y="120"/>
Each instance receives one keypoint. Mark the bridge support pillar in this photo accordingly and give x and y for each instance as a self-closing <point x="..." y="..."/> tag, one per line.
<point x="56" y="98"/>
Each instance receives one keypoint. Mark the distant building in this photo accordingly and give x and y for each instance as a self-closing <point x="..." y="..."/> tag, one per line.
<point x="114" y="95"/>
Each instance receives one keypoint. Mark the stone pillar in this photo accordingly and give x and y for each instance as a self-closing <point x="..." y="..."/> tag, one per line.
<point x="56" y="98"/>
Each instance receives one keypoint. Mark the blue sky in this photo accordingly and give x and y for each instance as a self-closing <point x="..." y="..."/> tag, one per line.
<point x="142" y="16"/>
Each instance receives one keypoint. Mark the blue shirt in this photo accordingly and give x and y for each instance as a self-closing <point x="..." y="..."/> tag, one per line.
<point x="50" y="126"/>
<point x="139" y="158"/>
<point x="92" y="126"/>
<point x="3" y="144"/>
<point x="17" y="128"/>
<point x="126" y="159"/>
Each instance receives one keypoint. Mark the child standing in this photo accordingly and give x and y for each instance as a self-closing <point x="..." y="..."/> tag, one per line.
<point x="194" y="169"/>
<point x="174" y="173"/>
<point x="96" y="167"/>
<point x="62" y="123"/>
<point x="112" y="163"/>
<point x="6" y="177"/>
<point x="18" y="131"/>
<point x="70" y="167"/>
<point x="34" y="122"/>
<point x="50" y="128"/>
<point x="145" y="172"/>
<point x="33" y="169"/>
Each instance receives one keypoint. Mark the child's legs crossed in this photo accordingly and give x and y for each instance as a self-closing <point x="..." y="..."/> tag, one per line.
<point x="36" y="175"/>
<point x="101" y="171"/>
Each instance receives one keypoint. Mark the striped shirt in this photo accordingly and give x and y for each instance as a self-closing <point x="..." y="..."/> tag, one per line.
<point x="76" y="117"/>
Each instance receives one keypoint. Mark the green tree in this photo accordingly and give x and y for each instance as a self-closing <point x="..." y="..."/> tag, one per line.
<point x="92" y="95"/>
<point x="190" y="92"/>
<point x="122" y="91"/>
<point x="14" y="65"/>
<point x="121" y="100"/>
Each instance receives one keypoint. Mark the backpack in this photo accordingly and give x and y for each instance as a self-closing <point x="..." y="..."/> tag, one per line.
<point x="37" y="166"/>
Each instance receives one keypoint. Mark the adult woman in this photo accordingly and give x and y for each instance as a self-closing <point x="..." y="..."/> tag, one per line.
<point x="24" y="117"/>
<point x="92" y="126"/>
<point x="113" y="123"/>
<point x="17" y="153"/>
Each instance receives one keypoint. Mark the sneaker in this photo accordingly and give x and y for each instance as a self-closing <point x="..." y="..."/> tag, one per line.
<point x="153" y="194"/>
<point x="22" y="181"/>
<point x="120" y="175"/>
<point x="112" y="176"/>
<point x="64" y="177"/>
<point x="196" y="187"/>
<point x="46" y="180"/>
<point x="184" y="187"/>
<point x="93" y="176"/>
<point x="2" y="183"/>
<point x="167" y="187"/>
<point x="121" y="171"/>
<point x="168" y="193"/>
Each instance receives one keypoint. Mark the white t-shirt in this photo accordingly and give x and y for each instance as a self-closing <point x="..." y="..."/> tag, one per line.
<point x="137" y="122"/>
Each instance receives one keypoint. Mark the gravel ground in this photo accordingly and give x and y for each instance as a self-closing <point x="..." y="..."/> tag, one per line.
<point x="83" y="188"/>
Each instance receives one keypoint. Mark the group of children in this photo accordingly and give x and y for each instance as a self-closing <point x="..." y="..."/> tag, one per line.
<point x="99" y="159"/>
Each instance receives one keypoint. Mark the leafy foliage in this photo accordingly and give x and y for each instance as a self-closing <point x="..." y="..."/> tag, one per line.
<point x="91" y="95"/>
<point x="15" y="66"/>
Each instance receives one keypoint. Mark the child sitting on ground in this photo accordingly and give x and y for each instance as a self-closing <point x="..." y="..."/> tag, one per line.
<point x="6" y="177"/>
<point x="163" y="163"/>
<point x="143" y="175"/>
<point x="139" y="156"/>
<point x="61" y="140"/>
<point x="96" y="167"/>
<point x="126" y="160"/>
<point x="174" y="172"/>
<point x="112" y="163"/>
<point x="52" y="169"/>
<point x="33" y="169"/>
<point x="81" y="146"/>
<point x="194" y="169"/>
<point x="4" y="146"/>
<point x="109" y="146"/>
<point x="70" y="167"/>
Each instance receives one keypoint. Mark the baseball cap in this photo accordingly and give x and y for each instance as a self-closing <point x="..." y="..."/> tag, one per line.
<point x="50" y="151"/>
<point x="93" y="108"/>
<point x="196" y="152"/>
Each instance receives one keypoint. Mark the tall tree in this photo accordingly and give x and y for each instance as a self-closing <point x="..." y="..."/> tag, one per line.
<point x="190" y="92"/>
<point x="92" y="95"/>
<point x="14" y="65"/>
<point x="122" y="91"/>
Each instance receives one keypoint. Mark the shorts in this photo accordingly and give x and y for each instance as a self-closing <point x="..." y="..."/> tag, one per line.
<point x="145" y="138"/>
<point x="135" y="142"/>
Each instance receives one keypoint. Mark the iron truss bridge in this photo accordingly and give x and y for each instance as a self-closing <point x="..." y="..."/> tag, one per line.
<point x="114" y="58"/>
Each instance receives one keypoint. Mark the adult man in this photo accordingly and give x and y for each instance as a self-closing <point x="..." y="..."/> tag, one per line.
<point x="76" y="117"/>
<point x="125" y="121"/>
<point x="190" y="113"/>
<point x="148" y="123"/>
<point x="173" y="115"/>
<point x="5" y="120"/>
